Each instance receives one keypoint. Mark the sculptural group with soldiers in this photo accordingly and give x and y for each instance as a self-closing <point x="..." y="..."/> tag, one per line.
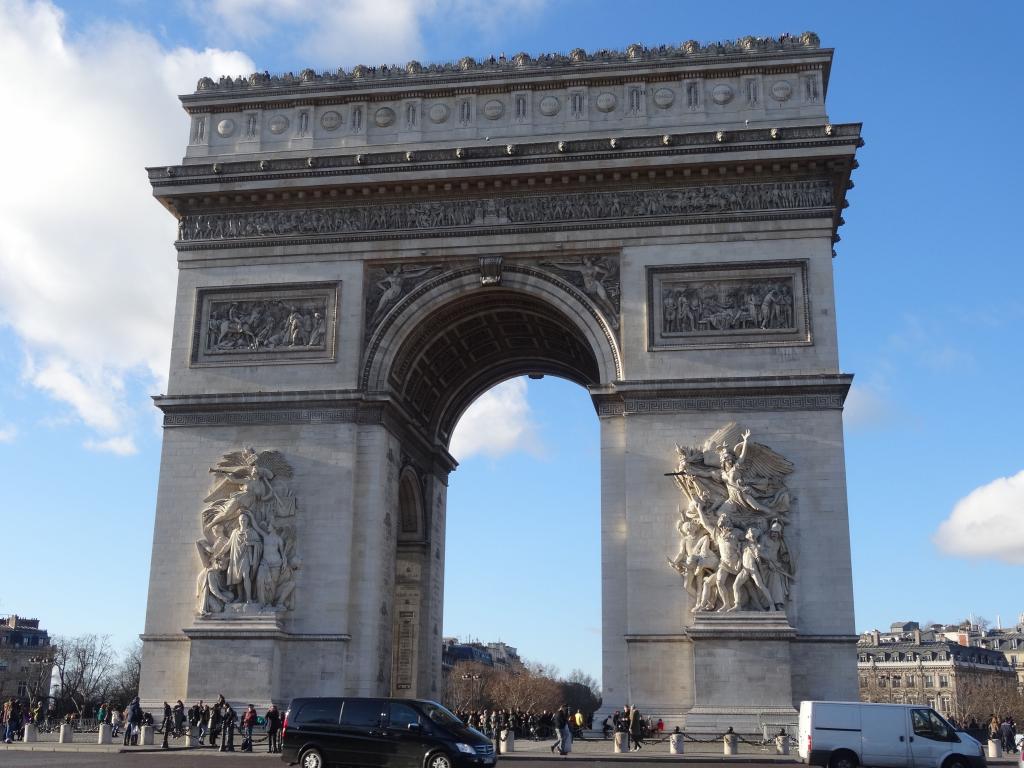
<point x="732" y="551"/>
<point x="248" y="546"/>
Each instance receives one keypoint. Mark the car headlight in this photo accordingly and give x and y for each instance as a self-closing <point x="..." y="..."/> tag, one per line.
<point x="465" y="748"/>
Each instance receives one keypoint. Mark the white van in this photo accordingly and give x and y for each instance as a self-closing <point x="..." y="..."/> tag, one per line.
<point x="842" y="734"/>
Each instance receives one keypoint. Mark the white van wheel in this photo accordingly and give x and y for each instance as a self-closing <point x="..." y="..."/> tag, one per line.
<point x="842" y="758"/>
<point x="954" y="761"/>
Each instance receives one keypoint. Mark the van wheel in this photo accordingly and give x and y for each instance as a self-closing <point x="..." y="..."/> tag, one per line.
<point x="312" y="758"/>
<point x="439" y="760"/>
<point x="842" y="758"/>
<point x="954" y="761"/>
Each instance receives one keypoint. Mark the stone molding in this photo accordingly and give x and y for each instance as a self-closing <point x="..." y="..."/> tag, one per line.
<point x="414" y="73"/>
<point x="633" y="207"/>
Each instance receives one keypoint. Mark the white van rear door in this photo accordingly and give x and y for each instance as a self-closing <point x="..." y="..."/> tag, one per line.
<point x="884" y="736"/>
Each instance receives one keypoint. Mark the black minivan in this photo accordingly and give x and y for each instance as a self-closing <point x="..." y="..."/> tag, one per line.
<point x="380" y="733"/>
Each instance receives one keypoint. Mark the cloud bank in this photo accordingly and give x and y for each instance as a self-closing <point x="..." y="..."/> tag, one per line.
<point x="87" y="266"/>
<point x="987" y="523"/>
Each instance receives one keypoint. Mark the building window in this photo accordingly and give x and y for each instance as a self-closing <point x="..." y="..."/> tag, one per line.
<point x="881" y="682"/>
<point x="910" y="681"/>
<point x="945" y="703"/>
<point x="863" y="681"/>
<point x="929" y="681"/>
<point x="943" y="681"/>
<point x="22" y="689"/>
<point x="896" y="681"/>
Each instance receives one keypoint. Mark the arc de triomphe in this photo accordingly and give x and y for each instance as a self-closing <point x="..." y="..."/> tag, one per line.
<point x="362" y="253"/>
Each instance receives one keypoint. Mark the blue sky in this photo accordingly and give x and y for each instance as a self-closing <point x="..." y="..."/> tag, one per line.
<point x="928" y="280"/>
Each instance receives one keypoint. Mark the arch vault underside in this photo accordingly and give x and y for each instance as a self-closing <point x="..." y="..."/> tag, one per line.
<point x="359" y="261"/>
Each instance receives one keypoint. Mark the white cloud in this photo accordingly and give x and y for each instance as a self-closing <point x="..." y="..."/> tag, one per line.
<point x="987" y="523"/>
<point x="122" y="445"/>
<point x="87" y="266"/>
<point x="7" y="433"/>
<point x="497" y="423"/>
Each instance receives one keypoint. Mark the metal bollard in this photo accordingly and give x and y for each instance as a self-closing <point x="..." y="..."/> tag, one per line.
<point x="67" y="734"/>
<point x="192" y="737"/>
<point x="146" y="736"/>
<point x="995" y="749"/>
<point x="729" y="743"/>
<point x="508" y="741"/>
<point x="782" y="744"/>
<point x="30" y="734"/>
<point x="676" y="744"/>
<point x="103" y="737"/>
<point x="620" y="742"/>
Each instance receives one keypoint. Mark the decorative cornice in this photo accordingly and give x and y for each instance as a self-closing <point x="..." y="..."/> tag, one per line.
<point x="497" y="155"/>
<point x="578" y="60"/>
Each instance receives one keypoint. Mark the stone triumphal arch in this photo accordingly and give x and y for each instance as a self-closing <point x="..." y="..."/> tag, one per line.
<point x="362" y="253"/>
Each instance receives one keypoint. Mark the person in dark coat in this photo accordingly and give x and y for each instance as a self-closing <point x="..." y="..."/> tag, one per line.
<point x="273" y="722"/>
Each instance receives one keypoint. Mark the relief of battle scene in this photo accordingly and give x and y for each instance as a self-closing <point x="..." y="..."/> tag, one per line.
<point x="733" y="554"/>
<point x="265" y="322"/>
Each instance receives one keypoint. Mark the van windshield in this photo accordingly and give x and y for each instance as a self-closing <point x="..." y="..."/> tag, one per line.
<point x="439" y="714"/>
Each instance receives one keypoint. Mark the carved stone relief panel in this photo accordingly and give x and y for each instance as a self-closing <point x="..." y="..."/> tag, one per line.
<point x="728" y="305"/>
<point x="735" y="508"/>
<point x="284" y="323"/>
<point x="385" y="285"/>
<point x="247" y="552"/>
<point x="597" y="277"/>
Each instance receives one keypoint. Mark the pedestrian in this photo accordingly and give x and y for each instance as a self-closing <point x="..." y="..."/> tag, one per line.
<point x="273" y="723"/>
<point x="636" y="729"/>
<point x="115" y="721"/>
<point x="248" y="723"/>
<point x="560" y="726"/>
<point x="606" y="726"/>
<point x="1006" y="735"/>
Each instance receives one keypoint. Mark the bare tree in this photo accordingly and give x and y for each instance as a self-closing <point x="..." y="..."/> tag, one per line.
<point x="124" y="678"/>
<point x="83" y="666"/>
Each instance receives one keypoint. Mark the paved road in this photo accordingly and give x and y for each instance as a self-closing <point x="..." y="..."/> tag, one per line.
<point x="19" y="759"/>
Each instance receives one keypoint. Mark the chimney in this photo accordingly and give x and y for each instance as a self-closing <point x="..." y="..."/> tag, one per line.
<point x="917" y="637"/>
<point x="876" y="637"/>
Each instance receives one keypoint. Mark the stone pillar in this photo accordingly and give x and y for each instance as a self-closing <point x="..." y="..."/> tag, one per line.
<point x="508" y="741"/>
<point x="782" y="744"/>
<point x="676" y="744"/>
<point x="729" y="744"/>
<point x="995" y="749"/>
<point x="67" y="734"/>
<point x="620" y="742"/>
<point x="103" y="737"/>
<point x="30" y="734"/>
<point x="146" y="736"/>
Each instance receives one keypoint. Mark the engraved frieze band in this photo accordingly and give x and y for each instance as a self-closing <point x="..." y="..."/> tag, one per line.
<point x="525" y="210"/>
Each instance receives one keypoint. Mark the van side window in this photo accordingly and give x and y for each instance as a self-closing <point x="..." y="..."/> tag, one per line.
<point x="319" y="712"/>
<point x="362" y="713"/>
<point x="929" y="725"/>
<point x="402" y="715"/>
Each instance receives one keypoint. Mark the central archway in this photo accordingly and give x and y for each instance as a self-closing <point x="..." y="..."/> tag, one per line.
<point x="444" y="345"/>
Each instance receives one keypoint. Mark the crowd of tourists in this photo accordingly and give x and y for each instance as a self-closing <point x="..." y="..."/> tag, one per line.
<point x="209" y="723"/>
<point x="523" y="724"/>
